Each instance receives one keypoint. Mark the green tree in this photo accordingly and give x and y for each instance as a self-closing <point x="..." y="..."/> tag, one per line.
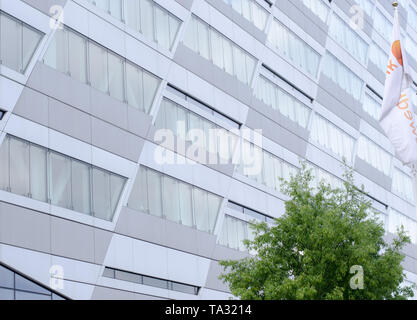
<point x="308" y="253"/>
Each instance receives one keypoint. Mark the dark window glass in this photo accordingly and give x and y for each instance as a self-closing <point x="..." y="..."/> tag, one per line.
<point x="27" y="285"/>
<point x="6" y="294"/>
<point x="127" y="276"/>
<point x="20" y="295"/>
<point x="6" y="278"/>
<point x="148" y="281"/>
<point x="184" y="288"/>
<point x="108" y="273"/>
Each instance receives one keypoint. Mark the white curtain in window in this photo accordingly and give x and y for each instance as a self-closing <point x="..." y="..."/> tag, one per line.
<point x="116" y="76"/>
<point x="77" y="57"/>
<point x="38" y="173"/>
<point x="60" y="180"/>
<point x="98" y="67"/>
<point x="101" y="194"/>
<point x="4" y="164"/>
<point x="81" y="187"/>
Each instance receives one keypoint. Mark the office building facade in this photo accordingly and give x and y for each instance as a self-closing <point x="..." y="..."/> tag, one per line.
<point x="103" y="192"/>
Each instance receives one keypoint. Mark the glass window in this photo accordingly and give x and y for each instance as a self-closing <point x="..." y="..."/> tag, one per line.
<point x="6" y="278"/>
<point x="80" y="187"/>
<point x="201" y="209"/>
<point x="203" y="40"/>
<point x="19" y="167"/>
<point x="162" y="27"/>
<point x="60" y="177"/>
<point x="4" y="165"/>
<point x="186" y="204"/>
<point x="57" y="54"/>
<point x="214" y="203"/>
<point x="154" y="193"/>
<point x="31" y="40"/>
<point x="116" y="188"/>
<point x="115" y="8"/>
<point x="150" y="87"/>
<point x="134" y="87"/>
<point x="11" y="34"/>
<point x="27" y="285"/>
<point x="98" y="67"/>
<point x="77" y="57"/>
<point x="116" y="76"/>
<point x="101" y="195"/>
<point x="217" y="48"/>
<point x="147" y="19"/>
<point x="6" y="294"/>
<point x="171" y="199"/>
<point x="153" y="282"/>
<point x="139" y="195"/>
<point x="132" y="15"/>
<point x="38" y="173"/>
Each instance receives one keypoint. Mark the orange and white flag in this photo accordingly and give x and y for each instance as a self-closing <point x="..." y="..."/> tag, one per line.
<point x="397" y="117"/>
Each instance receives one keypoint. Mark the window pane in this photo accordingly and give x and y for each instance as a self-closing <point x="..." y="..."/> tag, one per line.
<point x="116" y="77"/>
<point x="132" y="14"/>
<point x="98" y="67"/>
<point x="115" y="8"/>
<point x="60" y="173"/>
<point x="6" y="294"/>
<point x="186" y="204"/>
<point x="147" y="17"/>
<point x="134" y="86"/>
<point x="162" y="27"/>
<point x="171" y="199"/>
<point x="174" y="25"/>
<point x="213" y="210"/>
<point x="6" y="278"/>
<point x="19" y="167"/>
<point x="201" y="209"/>
<point x="57" y="54"/>
<point x="31" y="40"/>
<point x="139" y="195"/>
<point x="155" y="193"/>
<point x="147" y="281"/>
<point x="27" y="285"/>
<point x="77" y="57"/>
<point x="11" y="38"/>
<point x="81" y="187"/>
<point x="203" y="40"/>
<point x="101" y="195"/>
<point x="38" y="175"/>
<point x="116" y="188"/>
<point x="150" y="86"/>
<point x="228" y="56"/>
<point x="31" y="296"/>
<point x="217" y="48"/>
<point x="4" y="164"/>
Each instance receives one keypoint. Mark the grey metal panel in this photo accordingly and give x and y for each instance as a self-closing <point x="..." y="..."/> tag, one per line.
<point x="212" y="74"/>
<point x="145" y="227"/>
<point x="139" y="123"/>
<point x="223" y="253"/>
<point x="70" y="121"/>
<point x="277" y="133"/>
<point x="45" y="5"/>
<point x="373" y="174"/>
<point x="402" y="12"/>
<point x="346" y="6"/>
<point x="412" y="62"/>
<point x="60" y="86"/>
<point x="369" y="119"/>
<point x="24" y="228"/>
<point x="115" y="140"/>
<point x="108" y="109"/>
<point x="338" y="101"/>
<point x="186" y="3"/>
<point x="245" y="24"/>
<point x="376" y="72"/>
<point x="213" y="281"/>
<point x="309" y="22"/>
<point x="102" y="240"/>
<point x="279" y="118"/>
<point x="33" y="106"/>
<point x="103" y="293"/>
<point x="72" y="240"/>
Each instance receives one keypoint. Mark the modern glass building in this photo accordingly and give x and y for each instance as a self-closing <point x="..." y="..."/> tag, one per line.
<point x="98" y="201"/>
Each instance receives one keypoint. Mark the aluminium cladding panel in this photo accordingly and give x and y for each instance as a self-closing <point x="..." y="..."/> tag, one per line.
<point x="207" y="71"/>
<point x="271" y="130"/>
<point x="373" y="174"/>
<point x="186" y="3"/>
<point x="387" y="5"/>
<point x="45" y="5"/>
<point x="297" y="12"/>
<point x="347" y="5"/>
<point x="339" y="102"/>
<point x="226" y="169"/>
<point x="143" y="226"/>
<point x="104" y="293"/>
<point x="29" y="229"/>
<point x="213" y="282"/>
<point x="376" y="72"/>
<point x="237" y="18"/>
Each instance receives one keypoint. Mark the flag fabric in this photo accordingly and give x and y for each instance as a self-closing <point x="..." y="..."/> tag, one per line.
<point x="397" y="116"/>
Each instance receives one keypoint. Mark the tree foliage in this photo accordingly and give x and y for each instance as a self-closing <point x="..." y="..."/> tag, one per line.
<point x="309" y="251"/>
